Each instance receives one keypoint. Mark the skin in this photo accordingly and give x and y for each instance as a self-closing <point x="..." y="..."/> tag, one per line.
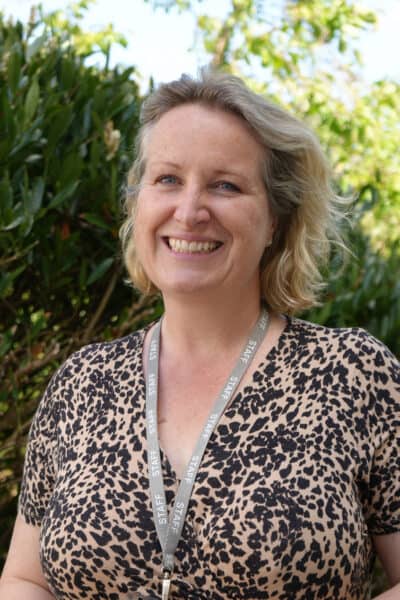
<point x="210" y="190"/>
<point x="202" y="182"/>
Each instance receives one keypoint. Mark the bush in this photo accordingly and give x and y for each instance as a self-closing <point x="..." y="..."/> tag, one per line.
<point x="67" y="132"/>
<point x="365" y="291"/>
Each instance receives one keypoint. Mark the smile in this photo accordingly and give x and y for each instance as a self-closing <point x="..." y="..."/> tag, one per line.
<point x="192" y="247"/>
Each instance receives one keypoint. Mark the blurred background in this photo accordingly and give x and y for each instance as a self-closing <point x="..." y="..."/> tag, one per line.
<point x="72" y="79"/>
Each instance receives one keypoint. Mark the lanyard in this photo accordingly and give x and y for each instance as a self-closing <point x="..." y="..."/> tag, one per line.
<point x="169" y="529"/>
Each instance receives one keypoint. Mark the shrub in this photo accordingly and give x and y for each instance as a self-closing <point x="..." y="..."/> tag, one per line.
<point x="67" y="132"/>
<point x="365" y="291"/>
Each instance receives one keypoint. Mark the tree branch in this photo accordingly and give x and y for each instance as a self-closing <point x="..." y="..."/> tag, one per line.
<point x="87" y="334"/>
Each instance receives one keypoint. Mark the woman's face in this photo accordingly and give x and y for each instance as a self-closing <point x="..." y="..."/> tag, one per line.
<point x="203" y="219"/>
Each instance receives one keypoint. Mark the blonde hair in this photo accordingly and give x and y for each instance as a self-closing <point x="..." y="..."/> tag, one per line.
<point x="297" y="181"/>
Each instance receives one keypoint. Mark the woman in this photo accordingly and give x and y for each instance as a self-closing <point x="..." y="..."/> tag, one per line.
<point x="278" y="473"/>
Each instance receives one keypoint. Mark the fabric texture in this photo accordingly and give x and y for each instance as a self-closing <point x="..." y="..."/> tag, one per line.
<point x="303" y="467"/>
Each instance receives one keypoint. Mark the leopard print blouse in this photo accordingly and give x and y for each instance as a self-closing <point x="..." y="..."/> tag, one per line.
<point x="301" y="470"/>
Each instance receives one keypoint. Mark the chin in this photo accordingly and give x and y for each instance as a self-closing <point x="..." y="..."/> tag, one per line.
<point x="186" y="287"/>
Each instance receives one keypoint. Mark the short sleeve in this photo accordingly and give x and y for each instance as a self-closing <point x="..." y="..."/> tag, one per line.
<point x="39" y="471"/>
<point x="382" y="385"/>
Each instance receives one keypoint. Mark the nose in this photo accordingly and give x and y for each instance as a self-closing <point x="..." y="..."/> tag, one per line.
<point x="191" y="208"/>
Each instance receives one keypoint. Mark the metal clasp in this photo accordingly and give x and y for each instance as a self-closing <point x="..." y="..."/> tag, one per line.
<point x="166" y="584"/>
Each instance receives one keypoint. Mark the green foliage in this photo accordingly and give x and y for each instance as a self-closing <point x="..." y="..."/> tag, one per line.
<point x="64" y="24"/>
<point x="365" y="290"/>
<point x="66" y="132"/>
<point x="282" y="37"/>
<point x="167" y="5"/>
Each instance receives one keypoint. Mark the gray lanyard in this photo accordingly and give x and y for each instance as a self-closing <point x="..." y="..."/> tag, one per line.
<point x="169" y="530"/>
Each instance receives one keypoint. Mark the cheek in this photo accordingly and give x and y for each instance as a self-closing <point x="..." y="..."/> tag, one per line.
<point x="141" y="228"/>
<point x="151" y="211"/>
<point x="258" y="224"/>
<point x="144" y="219"/>
<point x="265" y="223"/>
<point x="140" y="209"/>
<point x="149" y="217"/>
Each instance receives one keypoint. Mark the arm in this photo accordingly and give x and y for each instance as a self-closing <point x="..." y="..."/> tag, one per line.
<point x="22" y="577"/>
<point x="388" y="550"/>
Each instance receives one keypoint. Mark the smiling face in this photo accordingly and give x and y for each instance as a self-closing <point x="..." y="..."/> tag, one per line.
<point x="202" y="218"/>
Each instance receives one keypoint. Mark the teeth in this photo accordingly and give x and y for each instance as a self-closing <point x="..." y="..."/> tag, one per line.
<point x="191" y="247"/>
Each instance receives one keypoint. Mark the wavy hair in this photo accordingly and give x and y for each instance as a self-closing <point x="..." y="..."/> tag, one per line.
<point x="297" y="181"/>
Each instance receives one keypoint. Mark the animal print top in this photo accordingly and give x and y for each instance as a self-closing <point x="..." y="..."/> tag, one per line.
<point x="301" y="470"/>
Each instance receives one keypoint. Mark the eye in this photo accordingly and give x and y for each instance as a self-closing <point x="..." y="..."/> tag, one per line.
<point x="167" y="179"/>
<point x="226" y="186"/>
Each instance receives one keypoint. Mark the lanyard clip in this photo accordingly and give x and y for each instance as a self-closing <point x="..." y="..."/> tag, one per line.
<point x="166" y="583"/>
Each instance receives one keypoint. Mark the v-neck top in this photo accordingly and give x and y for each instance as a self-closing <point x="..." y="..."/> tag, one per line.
<point x="301" y="470"/>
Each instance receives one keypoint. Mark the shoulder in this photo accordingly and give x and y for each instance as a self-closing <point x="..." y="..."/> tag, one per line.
<point x="345" y="338"/>
<point x="110" y="352"/>
<point x="354" y="346"/>
<point x="101" y="358"/>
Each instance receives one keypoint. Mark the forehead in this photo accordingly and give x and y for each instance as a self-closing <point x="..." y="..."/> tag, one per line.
<point x="194" y="126"/>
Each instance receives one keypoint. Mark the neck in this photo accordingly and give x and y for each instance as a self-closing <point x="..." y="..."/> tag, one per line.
<point x="199" y="329"/>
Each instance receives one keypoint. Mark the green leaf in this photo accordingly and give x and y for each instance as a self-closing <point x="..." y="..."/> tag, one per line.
<point x="26" y="226"/>
<point x="14" y="223"/>
<point x="87" y="117"/>
<point x="59" y="123"/>
<point x="71" y="169"/>
<point x="35" y="199"/>
<point x="6" y="195"/>
<point x="95" y="220"/>
<point x="6" y="342"/>
<point x="31" y="101"/>
<point x="67" y="192"/>
<point x="68" y="73"/>
<point x="14" y="70"/>
<point x="100" y="270"/>
<point x="7" y="279"/>
<point x="32" y="158"/>
<point x="4" y="150"/>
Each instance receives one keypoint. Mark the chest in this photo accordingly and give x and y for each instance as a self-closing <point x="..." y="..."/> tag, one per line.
<point x="185" y="399"/>
<point x="271" y="486"/>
